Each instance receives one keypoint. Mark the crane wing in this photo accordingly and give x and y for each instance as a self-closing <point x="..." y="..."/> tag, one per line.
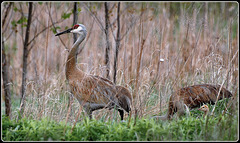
<point x="95" y="89"/>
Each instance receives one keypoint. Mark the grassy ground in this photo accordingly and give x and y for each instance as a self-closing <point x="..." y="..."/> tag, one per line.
<point x="193" y="127"/>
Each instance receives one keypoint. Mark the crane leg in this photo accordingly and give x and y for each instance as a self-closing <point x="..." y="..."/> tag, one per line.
<point x="121" y="113"/>
<point x="90" y="107"/>
<point x="89" y="113"/>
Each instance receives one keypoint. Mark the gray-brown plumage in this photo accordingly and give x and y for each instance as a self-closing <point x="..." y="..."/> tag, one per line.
<point x="93" y="92"/>
<point x="192" y="97"/>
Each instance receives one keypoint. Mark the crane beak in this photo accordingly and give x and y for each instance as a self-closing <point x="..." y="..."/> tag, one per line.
<point x="66" y="31"/>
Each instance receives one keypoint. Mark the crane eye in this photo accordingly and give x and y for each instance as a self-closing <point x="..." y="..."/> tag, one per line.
<point x="75" y="26"/>
<point x="204" y="106"/>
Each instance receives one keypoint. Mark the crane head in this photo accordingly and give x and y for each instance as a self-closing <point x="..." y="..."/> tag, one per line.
<point x="204" y="108"/>
<point x="77" y="28"/>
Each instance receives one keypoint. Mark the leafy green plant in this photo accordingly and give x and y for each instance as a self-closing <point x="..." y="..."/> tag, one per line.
<point x="184" y="129"/>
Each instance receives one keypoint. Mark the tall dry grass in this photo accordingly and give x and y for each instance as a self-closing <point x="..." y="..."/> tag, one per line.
<point x="198" y="42"/>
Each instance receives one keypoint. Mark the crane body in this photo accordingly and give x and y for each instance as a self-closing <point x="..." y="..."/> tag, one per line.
<point x="93" y="92"/>
<point x="193" y="96"/>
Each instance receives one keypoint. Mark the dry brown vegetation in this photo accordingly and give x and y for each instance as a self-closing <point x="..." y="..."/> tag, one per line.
<point x="198" y="42"/>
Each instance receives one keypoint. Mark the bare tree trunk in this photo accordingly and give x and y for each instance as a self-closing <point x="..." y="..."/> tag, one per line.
<point x="25" y="56"/>
<point x="6" y="86"/>
<point x="117" y="43"/>
<point x="230" y="54"/>
<point x="75" y="19"/>
<point x="139" y="58"/>
<point x="107" y="62"/>
<point x="5" y="71"/>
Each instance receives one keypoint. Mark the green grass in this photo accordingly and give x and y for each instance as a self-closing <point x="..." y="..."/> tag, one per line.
<point x="192" y="128"/>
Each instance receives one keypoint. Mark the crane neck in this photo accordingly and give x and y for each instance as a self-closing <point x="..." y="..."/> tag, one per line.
<point x="205" y="113"/>
<point x="72" y="56"/>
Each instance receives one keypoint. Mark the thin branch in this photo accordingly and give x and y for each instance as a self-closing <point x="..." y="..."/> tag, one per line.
<point x="43" y="31"/>
<point x="226" y="75"/>
<point x="75" y="19"/>
<point x="112" y="7"/>
<point x="133" y="22"/>
<point x="25" y="56"/>
<point x="53" y="24"/>
<point x="6" y="14"/>
<point x="117" y="43"/>
<point x="93" y="15"/>
<point x="128" y="29"/>
<point x="122" y="12"/>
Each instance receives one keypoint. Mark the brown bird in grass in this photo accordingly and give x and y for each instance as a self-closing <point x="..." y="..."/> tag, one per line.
<point x="93" y="92"/>
<point x="205" y="109"/>
<point x="191" y="97"/>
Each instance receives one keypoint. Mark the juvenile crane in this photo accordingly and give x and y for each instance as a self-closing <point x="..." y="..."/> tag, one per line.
<point x="93" y="92"/>
<point x="193" y="96"/>
<point x="205" y="109"/>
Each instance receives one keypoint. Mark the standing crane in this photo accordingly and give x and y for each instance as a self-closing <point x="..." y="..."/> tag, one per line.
<point x="93" y="92"/>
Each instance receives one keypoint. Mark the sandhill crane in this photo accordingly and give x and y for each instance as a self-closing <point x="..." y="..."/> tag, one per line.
<point x="93" y="92"/>
<point x="192" y="97"/>
<point x="205" y="109"/>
